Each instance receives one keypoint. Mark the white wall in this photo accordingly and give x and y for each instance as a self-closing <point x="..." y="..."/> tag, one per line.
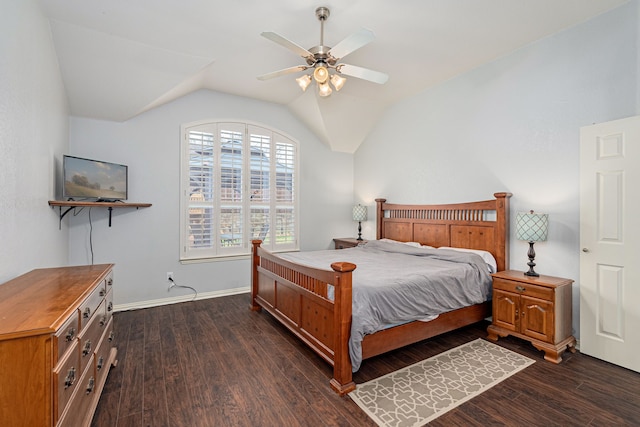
<point x="33" y="134"/>
<point x="144" y="244"/>
<point x="511" y="125"/>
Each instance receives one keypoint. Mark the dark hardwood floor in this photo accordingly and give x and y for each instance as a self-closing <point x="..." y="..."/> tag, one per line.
<point x="216" y="363"/>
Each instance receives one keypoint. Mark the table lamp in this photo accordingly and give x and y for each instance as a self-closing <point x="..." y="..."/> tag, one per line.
<point x="532" y="227"/>
<point x="359" y="214"/>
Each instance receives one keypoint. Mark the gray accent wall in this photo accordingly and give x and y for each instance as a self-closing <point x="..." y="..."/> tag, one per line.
<point x="511" y="125"/>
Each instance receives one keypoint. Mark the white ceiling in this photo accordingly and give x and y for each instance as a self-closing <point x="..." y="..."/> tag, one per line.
<point x="122" y="57"/>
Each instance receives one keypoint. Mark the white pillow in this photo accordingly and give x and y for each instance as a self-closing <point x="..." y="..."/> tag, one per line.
<point x="486" y="256"/>
<point x="414" y="244"/>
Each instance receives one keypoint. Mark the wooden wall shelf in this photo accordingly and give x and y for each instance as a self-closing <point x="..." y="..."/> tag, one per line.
<point x="72" y="204"/>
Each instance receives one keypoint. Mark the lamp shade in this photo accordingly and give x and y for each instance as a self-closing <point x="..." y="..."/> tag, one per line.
<point x="304" y="82"/>
<point x="532" y="227"/>
<point x="324" y="89"/>
<point x="337" y="81"/>
<point x="321" y="74"/>
<point x="359" y="213"/>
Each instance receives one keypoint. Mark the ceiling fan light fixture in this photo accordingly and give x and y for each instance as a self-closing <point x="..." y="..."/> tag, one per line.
<point x="337" y="81"/>
<point x="322" y="58"/>
<point x="304" y="82"/>
<point x="324" y="89"/>
<point x="321" y="74"/>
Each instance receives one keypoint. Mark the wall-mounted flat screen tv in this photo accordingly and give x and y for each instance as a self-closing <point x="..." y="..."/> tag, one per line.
<point x="87" y="179"/>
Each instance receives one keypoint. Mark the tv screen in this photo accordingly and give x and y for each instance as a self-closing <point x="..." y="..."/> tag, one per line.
<point x="93" y="179"/>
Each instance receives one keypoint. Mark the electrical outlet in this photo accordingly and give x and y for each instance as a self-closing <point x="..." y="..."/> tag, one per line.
<point x="169" y="276"/>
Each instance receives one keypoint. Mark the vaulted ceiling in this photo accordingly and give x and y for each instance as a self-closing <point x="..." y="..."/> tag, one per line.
<point x="119" y="58"/>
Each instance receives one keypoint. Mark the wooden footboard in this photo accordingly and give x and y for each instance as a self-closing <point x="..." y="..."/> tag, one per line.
<point x="298" y="297"/>
<point x="413" y="332"/>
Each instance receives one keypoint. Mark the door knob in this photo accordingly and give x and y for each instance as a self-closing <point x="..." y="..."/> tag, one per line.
<point x="585" y="250"/>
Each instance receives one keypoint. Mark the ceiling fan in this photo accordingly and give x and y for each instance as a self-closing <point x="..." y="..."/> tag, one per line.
<point x="323" y="58"/>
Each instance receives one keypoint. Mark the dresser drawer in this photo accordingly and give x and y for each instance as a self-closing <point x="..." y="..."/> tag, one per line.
<point x="91" y="334"/>
<point x="523" y="288"/>
<point x="109" y="304"/>
<point x="90" y="305"/>
<point x="66" y="336"/>
<point x="109" y="281"/>
<point x="83" y="399"/>
<point x="65" y="378"/>
<point x="103" y="352"/>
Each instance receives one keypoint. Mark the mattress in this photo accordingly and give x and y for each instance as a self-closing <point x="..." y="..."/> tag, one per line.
<point x="395" y="283"/>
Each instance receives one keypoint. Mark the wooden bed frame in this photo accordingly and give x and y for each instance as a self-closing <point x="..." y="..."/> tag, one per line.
<point x="297" y="295"/>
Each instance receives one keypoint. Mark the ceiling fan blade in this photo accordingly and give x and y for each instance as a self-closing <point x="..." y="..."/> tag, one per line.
<point x="283" y="72"/>
<point x="274" y="37"/>
<point x="352" y="42"/>
<point x="363" y="73"/>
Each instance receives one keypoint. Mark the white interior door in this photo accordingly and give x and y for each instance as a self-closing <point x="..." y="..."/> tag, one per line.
<point x="610" y="242"/>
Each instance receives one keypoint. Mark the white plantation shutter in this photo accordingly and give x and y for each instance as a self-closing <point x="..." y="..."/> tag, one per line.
<point x="285" y="191"/>
<point x="238" y="183"/>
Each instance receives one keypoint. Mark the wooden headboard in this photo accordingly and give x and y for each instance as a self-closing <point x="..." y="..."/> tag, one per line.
<point x="473" y="225"/>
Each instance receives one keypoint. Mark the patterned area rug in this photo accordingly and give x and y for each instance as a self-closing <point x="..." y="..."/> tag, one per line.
<point x="419" y="393"/>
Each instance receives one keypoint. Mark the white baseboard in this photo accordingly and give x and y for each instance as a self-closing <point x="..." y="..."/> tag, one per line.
<point x="183" y="298"/>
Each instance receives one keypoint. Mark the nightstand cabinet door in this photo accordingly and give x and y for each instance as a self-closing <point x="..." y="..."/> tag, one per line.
<point x="536" y="318"/>
<point x="506" y="306"/>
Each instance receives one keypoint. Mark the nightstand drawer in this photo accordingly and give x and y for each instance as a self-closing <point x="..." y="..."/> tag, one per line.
<point x="523" y="288"/>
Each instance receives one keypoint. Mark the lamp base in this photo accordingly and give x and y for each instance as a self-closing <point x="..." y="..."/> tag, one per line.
<point x="532" y="255"/>
<point x="359" y="231"/>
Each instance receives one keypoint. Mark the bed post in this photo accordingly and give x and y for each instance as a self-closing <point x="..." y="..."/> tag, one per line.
<point x="502" y="230"/>
<point x="255" y="261"/>
<point x="379" y="216"/>
<point x="342" y="381"/>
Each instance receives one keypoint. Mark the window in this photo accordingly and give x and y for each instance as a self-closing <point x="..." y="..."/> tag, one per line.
<point x="238" y="183"/>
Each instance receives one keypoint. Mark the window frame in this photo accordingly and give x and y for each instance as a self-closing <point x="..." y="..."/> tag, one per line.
<point x="275" y="137"/>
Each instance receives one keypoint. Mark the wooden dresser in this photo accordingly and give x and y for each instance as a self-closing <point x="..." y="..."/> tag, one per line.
<point x="56" y="345"/>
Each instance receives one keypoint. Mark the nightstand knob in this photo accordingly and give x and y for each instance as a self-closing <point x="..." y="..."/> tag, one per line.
<point x="520" y="288"/>
<point x="585" y="250"/>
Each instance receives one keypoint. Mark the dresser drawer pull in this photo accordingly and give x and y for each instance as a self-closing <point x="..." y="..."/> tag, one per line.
<point x="90" y="385"/>
<point x="110" y="282"/>
<point x="70" y="378"/>
<point x="111" y="336"/>
<point x="100" y="363"/>
<point x="103" y="320"/>
<point x="87" y="348"/>
<point x="520" y="288"/>
<point x="102" y="292"/>
<point x="110" y="306"/>
<point x="71" y="333"/>
<point x="87" y="313"/>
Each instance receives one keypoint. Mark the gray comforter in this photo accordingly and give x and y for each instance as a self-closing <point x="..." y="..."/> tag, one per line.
<point x="396" y="283"/>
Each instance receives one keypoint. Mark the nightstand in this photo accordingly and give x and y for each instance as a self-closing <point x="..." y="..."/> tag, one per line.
<point x="347" y="242"/>
<point x="537" y="309"/>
